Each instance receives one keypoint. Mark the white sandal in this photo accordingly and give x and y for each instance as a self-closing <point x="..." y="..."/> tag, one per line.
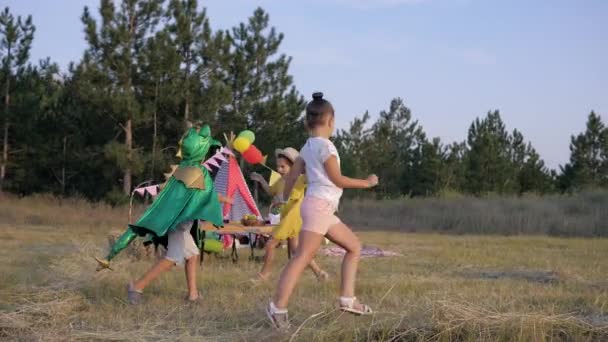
<point x="352" y="305"/>
<point x="278" y="317"/>
<point x="323" y="277"/>
<point x="259" y="279"/>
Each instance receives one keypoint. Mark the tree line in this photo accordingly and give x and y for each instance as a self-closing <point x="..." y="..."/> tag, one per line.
<point x="113" y="119"/>
<point x="492" y="159"/>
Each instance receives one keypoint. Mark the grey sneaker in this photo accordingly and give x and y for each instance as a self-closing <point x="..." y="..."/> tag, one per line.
<point x="133" y="296"/>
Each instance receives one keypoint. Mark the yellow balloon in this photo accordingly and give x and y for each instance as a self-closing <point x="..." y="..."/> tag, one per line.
<point x="241" y="144"/>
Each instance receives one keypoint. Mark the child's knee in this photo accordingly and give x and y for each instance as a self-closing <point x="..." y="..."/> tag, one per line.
<point x="271" y="245"/>
<point x="355" y="249"/>
<point x="269" y="248"/>
<point x="193" y="258"/>
<point x="302" y="257"/>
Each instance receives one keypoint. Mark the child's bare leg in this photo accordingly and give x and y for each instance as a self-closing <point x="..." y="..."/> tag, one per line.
<point x="191" y="266"/>
<point x="269" y="257"/>
<point x="293" y="245"/>
<point x="309" y="243"/>
<point x="342" y="236"/>
<point x="315" y="268"/>
<point x="156" y="270"/>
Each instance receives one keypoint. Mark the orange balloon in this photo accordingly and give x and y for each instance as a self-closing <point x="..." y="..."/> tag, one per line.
<point x="253" y="155"/>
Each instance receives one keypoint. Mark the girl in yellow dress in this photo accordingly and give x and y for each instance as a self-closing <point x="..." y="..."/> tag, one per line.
<point x="291" y="221"/>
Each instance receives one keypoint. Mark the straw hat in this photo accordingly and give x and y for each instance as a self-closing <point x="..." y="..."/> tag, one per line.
<point x="289" y="153"/>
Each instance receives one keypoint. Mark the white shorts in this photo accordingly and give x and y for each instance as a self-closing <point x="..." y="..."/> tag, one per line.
<point x="318" y="215"/>
<point x="181" y="245"/>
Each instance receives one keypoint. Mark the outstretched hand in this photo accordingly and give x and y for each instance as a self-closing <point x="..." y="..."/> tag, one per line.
<point x="256" y="177"/>
<point x="372" y="180"/>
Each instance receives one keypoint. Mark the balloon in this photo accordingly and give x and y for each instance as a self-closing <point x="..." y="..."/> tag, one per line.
<point x="247" y="134"/>
<point x="241" y="144"/>
<point x="253" y="155"/>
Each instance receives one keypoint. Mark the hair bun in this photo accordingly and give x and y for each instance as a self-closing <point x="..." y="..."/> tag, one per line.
<point x="317" y="96"/>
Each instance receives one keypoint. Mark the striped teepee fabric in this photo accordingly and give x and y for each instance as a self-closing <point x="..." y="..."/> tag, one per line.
<point x="230" y="182"/>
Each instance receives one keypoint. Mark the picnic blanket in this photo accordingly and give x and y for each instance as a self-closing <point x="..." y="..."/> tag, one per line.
<point x="366" y="252"/>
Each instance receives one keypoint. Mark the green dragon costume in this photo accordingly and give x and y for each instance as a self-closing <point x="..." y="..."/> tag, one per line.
<point x="189" y="195"/>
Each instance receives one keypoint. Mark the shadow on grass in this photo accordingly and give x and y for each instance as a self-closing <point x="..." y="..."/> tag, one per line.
<point x="534" y="276"/>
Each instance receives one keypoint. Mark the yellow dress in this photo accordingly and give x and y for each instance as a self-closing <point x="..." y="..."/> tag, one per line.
<point x="291" y="221"/>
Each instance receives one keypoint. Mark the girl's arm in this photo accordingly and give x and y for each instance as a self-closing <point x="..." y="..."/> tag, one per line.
<point x="256" y="177"/>
<point x="290" y="179"/>
<point x="333" y="172"/>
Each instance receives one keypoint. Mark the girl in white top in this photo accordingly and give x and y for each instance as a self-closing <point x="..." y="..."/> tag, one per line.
<point x="320" y="159"/>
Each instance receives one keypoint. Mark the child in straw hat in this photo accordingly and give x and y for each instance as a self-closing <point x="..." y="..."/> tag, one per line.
<point x="291" y="221"/>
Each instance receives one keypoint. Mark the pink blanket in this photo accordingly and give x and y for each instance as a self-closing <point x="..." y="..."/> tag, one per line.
<point x="366" y="252"/>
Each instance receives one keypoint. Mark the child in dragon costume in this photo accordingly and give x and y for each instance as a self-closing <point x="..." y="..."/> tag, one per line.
<point x="172" y="219"/>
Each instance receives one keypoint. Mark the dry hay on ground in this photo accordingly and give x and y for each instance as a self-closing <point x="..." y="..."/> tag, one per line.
<point x="443" y="288"/>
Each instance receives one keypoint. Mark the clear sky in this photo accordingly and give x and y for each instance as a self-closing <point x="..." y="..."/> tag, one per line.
<point x="542" y="63"/>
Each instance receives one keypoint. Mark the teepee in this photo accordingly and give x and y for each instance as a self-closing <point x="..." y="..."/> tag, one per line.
<point x="229" y="182"/>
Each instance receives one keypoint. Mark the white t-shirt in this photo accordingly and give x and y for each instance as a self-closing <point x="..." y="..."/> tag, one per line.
<point x="314" y="153"/>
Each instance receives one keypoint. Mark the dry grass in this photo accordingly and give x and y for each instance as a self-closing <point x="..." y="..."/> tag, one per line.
<point x="444" y="288"/>
<point x="556" y="215"/>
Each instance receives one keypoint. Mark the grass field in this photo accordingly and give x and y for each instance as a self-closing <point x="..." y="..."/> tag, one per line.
<point x="443" y="288"/>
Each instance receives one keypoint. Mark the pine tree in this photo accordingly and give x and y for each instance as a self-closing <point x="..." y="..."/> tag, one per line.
<point x="427" y="169"/>
<point x="16" y="36"/>
<point x="588" y="166"/>
<point x="504" y="163"/>
<point x="161" y="98"/>
<point x="353" y="145"/>
<point x="89" y="129"/>
<point x="48" y="143"/>
<point x="394" y="138"/>
<point x="263" y="96"/>
<point x="454" y="167"/>
<point x="530" y="172"/>
<point x="216" y="94"/>
<point x="191" y="36"/>
<point x="533" y="175"/>
<point x="489" y="165"/>
<point x="113" y="54"/>
<point x="517" y="151"/>
<point x="25" y="106"/>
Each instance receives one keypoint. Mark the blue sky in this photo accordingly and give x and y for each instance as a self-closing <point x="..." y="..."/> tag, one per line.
<point x="542" y="63"/>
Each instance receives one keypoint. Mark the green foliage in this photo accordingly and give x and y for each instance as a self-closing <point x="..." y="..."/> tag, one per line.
<point x="352" y="145"/>
<point x="114" y="119"/>
<point x="499" y="162"/>
<point x="396" y="148"/>
<point x="117" y="153"/>
<point x="190" y="39"/>
<point x="116" y="197"/>
<point x="263" y="98"/>
<point x="16" y="36"/>
<point x="588" y="166"/>
<point x="427" y="172"/>
<point x="487" y="157"/>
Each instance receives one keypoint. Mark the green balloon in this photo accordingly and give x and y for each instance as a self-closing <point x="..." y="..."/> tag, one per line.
<point x="247" y="134"/>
